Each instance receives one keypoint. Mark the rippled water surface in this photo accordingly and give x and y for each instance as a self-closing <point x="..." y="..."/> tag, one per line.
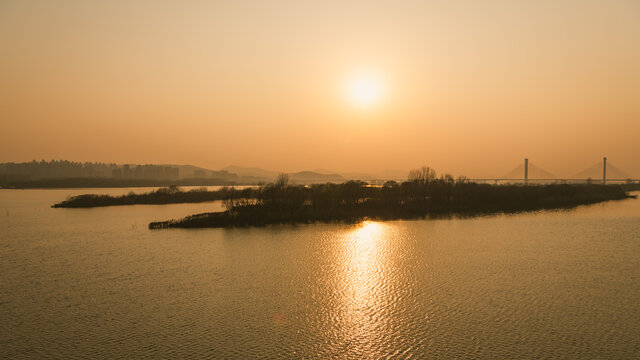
<point x="95" y="283"/>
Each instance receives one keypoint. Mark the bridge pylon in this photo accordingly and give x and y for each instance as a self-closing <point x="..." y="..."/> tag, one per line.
<point x="604" y="170"/>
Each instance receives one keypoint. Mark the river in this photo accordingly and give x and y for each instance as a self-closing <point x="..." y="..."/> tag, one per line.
<point x="96" y="283"/>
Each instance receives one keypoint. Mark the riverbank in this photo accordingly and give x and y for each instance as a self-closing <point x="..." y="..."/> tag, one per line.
<point x="355" y="201"/>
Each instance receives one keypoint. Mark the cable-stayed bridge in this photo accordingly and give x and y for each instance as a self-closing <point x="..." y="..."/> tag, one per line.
<point x="602" y="172"/>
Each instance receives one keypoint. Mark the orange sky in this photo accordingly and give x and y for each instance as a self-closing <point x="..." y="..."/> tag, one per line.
<point x="470" y="87"/>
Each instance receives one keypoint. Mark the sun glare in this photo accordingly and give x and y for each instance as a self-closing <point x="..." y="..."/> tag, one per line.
<point x="364" y="90"/>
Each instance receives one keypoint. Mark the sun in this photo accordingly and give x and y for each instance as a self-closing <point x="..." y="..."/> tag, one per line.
<point x="364" y="89"/>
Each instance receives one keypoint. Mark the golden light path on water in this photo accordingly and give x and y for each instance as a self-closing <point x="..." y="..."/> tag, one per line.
<point x="364" y="300"/>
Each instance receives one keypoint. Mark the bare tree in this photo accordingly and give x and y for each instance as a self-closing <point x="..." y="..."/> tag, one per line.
<point x="282" y="181"/>
<point x="424" y="175"/>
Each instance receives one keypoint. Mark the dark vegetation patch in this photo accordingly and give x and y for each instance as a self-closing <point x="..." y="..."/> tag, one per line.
<point x="422" y="195"/>
<point x="165" y="195"/>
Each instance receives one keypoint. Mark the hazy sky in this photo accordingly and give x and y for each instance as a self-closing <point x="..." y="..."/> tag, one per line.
<point x="467" y="87"/>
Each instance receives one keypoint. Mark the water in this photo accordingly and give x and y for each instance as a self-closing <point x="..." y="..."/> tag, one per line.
<point x="95" y="283"/>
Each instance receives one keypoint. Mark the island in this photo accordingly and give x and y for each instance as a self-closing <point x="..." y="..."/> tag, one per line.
<point x="422" y="195"/>
<point x="164" y="195"/>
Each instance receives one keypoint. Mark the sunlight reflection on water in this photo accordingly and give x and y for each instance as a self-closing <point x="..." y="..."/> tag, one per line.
<point x="362" y="272"/>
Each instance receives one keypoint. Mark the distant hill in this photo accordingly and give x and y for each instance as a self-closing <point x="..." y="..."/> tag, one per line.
<point x="309" y="177"/>
<point x="314" y="176"/>
<point x="64" y="173"/>
<point x="69" y="174"/>
<point x="303" y="177"/>
<point x="191" y="171"/>
<point x="251" y="172"/>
